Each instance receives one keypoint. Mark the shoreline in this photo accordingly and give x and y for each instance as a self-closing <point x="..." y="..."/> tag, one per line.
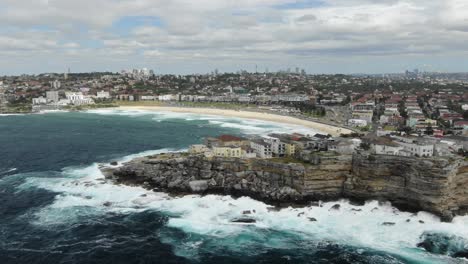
<point x="319" y="127"/>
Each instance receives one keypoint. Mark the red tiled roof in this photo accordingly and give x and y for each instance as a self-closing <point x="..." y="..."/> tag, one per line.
<point x="226" y="138"/>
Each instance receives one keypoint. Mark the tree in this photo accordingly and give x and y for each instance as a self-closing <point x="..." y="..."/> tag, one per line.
<point x="365" y="146"/>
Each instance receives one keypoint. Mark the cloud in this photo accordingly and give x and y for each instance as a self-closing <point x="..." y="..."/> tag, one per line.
<point x="243" y="31"/>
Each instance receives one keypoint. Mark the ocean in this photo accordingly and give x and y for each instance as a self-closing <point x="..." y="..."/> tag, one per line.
<point x="55" y="206"/>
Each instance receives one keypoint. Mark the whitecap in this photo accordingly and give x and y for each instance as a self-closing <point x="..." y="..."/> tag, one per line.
<point x="244" y="125"/>
<point x="83" y="193"/>
<point x="8" y="171"/>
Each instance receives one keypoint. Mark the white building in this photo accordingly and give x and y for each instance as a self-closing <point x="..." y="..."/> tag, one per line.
<point x="278" y="148"/>
<point x="52" y="96"/>
<point x="148" y="98"/>
<point x="168" y="97"/>
<point x="198" y="149"/>
<point x="39" y="100"/>
<point x="357" y="122"/>
<point x="385" y="146"/>
<point x="416" y="146"/>
<point x="261" y="148"/>
<point x="56" y="84"/>
<point x="363" y="115"/>
<point x="103" y="95"/>
<point x="78" y="99"/>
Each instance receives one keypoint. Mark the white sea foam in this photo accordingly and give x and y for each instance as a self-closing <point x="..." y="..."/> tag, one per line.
<point x="83" y="192"/>
<point x="52" y="111"/>
<point x="8" y="171"/>
<point x="12" y="114"/>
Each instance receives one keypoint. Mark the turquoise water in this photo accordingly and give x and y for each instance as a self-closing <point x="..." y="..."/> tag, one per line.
<point x="55" y="207"/>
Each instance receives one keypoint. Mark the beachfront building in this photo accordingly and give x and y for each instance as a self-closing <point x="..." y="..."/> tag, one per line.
<point x="416" y="146"/>
<point x="281" y="145"/>
<point x="344" y="146"/>
<point x="168" y="97"/>
<point x="39" y="100"/>
<point x="366" y="115"/>
<point x="227" y="152"/>
<point x="103" y="95"/>
<point x="148" y="98"/>
<point x="248" y="152"/>
<point x="261" y="148"/>
<point x="386" y="146"/>
<point x="198" y="149"/>
<point x="226" y="140"/>
<point x="52" y="96"/>
<point x="78" y="99"/>
<point x="357" y="123"/>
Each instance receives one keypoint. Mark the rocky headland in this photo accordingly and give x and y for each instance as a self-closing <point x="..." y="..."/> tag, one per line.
<point x="435" y="185"/>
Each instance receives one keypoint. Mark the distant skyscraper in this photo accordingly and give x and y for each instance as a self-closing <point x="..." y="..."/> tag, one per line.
<point x="65" y="75"/>
<point x="56" y="84"/>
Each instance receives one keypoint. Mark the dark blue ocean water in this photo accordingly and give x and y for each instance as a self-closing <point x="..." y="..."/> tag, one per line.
<point x="52" y="203"/>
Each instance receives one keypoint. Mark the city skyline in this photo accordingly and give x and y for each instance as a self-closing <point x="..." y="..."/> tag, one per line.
<point x="183" y="37"/>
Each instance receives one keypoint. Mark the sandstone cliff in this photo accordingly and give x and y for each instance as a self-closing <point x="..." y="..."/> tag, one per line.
<point x="437" y="185"/>
<point x="434" y="185"/>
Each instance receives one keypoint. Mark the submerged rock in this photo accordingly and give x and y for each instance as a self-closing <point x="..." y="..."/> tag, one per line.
<point x="107" y="204"/>
<point x="244" y="220"/>
<point x="335" y="207"/>
<point x="444" y="244"/>
<point x="312" y="219"/>
<point x="388" y="223"/>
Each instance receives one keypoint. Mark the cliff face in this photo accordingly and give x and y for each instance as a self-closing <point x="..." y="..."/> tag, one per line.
<point x="434" y="185"/>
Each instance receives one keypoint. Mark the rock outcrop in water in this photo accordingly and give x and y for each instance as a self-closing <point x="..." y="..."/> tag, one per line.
<point x="434" y="185"/>
<point x="440" y="243"/>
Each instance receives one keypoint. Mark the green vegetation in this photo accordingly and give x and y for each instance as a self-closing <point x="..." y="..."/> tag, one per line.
<point x="20" y="105"/>
<point x="311" y="110"/>
<point x="365" y="129"/>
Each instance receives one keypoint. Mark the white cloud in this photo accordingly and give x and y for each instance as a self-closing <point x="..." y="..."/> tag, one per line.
<point x="243" y="30"/>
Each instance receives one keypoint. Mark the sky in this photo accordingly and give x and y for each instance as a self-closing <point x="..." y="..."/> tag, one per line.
<point x="199" y="36"/>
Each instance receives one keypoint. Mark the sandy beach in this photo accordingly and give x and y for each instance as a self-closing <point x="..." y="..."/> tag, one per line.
<point x="324" y="128"/>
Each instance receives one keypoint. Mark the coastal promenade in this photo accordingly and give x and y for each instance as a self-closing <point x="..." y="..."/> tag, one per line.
<point x="258" y="115"/>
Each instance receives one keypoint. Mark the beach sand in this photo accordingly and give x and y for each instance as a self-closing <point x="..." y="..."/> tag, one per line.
<point x="324" y="128"/>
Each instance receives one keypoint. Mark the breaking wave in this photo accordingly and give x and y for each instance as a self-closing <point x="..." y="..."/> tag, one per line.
<point x="82" y="192"/>
<point x="246" y="126"/>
